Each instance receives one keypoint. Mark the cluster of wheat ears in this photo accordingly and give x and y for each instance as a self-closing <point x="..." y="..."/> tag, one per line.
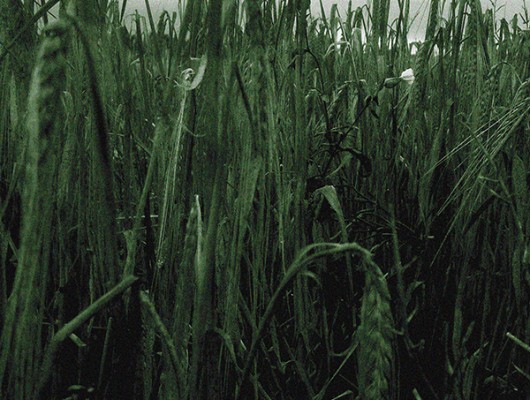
<point x="244" y="201"/>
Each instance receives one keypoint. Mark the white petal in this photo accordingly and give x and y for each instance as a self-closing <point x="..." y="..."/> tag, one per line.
<point x="408" y="73"/>
<point x="408" y="76"/>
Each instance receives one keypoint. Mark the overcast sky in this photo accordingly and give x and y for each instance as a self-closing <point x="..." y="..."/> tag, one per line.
<point x="510" y="6"/>
<point x="506" y="8"/>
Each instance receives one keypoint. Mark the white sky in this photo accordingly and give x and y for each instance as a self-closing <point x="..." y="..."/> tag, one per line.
<point x="510" y="6"/>
<point x="506" y="8"/>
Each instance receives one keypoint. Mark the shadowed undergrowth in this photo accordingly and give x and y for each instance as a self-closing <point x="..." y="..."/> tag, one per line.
<point x="243" y="201"/>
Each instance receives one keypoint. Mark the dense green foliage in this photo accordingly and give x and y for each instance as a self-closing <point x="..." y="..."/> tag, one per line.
<point x="241" y="201"/>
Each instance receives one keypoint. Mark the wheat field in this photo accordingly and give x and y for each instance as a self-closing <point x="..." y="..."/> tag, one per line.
<point x="245" y="200"/>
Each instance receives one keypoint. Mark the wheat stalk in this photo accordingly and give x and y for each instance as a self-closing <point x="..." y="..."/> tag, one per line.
<point x="375" y="337"/>
<point x="20" y="343"/>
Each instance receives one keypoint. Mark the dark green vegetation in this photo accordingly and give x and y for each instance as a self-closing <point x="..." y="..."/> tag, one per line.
<point x="276" y="222"/>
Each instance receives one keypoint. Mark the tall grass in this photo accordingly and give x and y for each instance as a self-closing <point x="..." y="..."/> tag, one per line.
<point x="242" y="200"/>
